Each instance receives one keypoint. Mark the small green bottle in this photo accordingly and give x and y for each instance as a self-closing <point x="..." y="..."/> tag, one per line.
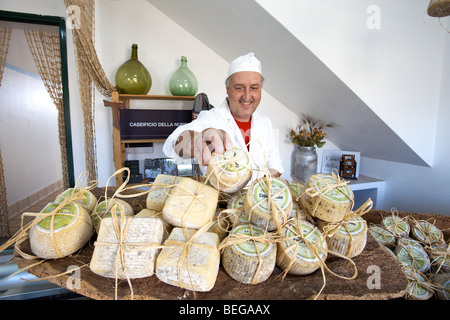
<point x="132" y="77"/>
<point x="183" y="82"/>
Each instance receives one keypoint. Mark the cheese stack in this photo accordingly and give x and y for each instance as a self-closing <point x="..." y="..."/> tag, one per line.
<point x="160" y="190"/>
<point x="330" y="205"/>
<point x="236" y="210"/>
<point x="293" y="254"/>
<point x="383" y="236"/>
<point x="191" y="204"/>
<point x="231" y="171"/>
<point x="350" y="238"/>
<point x="105" y="207"/>
<point x="198" y="270"/>
<point x="61" y="233"/>
<point x="147" y="213"/>
<point x="88" y="201"/>
<point x="241" y="260"/>
<point x="426" y="232"/>
<point x="140" y="245"/>
<point x="268" y="209"/>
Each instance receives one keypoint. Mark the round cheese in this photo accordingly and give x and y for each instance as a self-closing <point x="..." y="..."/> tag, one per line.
<point x="383" y="236"/>
<point x="442" y="283"/>
<point x="231" y="171"/>
<point x="325" y="203"/>
<point x="426" y="232"/>
<point x="235" y="206"/>
<point x="296" y="190"/>
<point x="410" y="253"/>
<point x="88" y="201"/>
<point x="439" y="254"/>
<point x="268" y="209"/>
<point x="62" y="232"/>
<point x="349" y="240"/>
<point x="105" y="207"/>
<point x="294" y="255"/>
<point x="396" y="225"/>
<point x="415" y="289"/>
<point x="242" y="262"/>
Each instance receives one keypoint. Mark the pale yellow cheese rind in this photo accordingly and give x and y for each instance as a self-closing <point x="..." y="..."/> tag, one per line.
<point x="200" y="267"/>
<point x="142" y="241"/>
<point x="191" y="204"/>
<point x="242" y="262"/>
<point x="160" y="190"/>
<point x="105" y="207"/>
<point x="63" y="241"/>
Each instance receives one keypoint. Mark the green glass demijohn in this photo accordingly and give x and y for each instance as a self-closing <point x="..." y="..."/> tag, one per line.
<point x="183" y="82"/>
<point x="132" y="77"/>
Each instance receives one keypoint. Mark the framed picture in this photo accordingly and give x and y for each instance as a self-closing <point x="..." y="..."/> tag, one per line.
<point x="331" y="159"/>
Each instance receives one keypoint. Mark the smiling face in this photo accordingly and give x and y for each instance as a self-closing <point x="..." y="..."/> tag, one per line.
<point x="244" y="94"/>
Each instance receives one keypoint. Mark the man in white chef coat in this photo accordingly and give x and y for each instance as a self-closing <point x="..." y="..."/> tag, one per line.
<point x="234" y="123"/>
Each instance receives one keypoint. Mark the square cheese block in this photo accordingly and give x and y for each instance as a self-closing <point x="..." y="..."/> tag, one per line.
<point x="142" y="242"/>
<point x="200" y="266"/>
<point x="160" y="190"/>
<point x="191" y="204"/>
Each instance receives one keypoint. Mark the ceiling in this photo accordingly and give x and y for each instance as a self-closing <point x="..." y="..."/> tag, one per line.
<point x="293" y="74"/>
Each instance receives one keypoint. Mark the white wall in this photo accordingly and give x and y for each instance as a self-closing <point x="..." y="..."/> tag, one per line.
<point x="400" y="70"/>
<point x="28" y="125"/>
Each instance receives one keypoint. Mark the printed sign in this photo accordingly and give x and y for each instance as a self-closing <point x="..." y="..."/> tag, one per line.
<point x="151" y="124"/>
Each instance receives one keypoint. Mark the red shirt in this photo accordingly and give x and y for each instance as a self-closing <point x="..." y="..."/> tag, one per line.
<point x="245" y="130"/>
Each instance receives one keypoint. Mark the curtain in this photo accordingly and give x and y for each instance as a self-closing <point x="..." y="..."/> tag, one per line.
<point x="5" y="36"/>
<point x="45" y="49"/>
<point x="90" y="74"/>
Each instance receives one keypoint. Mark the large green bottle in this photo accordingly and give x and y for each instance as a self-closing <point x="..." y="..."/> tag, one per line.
<point x="183" y="82"/>
<point x="132" y="77"/>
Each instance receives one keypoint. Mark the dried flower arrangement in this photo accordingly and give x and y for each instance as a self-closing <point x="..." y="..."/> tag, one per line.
<point x="310" y="132"/>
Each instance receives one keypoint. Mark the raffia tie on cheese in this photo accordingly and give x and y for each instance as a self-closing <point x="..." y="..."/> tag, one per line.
<point x="23" y="233"/>
<point x="231" y="171"/>
<point x="121" y="267"/>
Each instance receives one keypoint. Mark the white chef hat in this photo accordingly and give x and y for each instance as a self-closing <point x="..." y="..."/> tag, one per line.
<point x="247" y="62"/>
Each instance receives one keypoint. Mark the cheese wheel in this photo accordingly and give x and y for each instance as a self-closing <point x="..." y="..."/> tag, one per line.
<point x="89" y="201"/>
<point x="396" y="225"/>
<point x="293" y="254"/>
<point x="147" y="213"/>
<point x="439" y="257"/>
<point x="235" y="206"/>
<point x="231" y="171"/>
<point x="159" y="191"/>
<point x="198" y="270"/>
<point x="104" y="208"/>
<point x="411" y="254"/>
<point x="265" y="209"/>
<point x="72" y="229"/>
<point x="415" y="290"/>
<point x="296" y="190"/>
<point x="241" y="261"/>
<point x="383" y="236"/>
<point x="330" y="205"/>
<point x="349" y="240"/>
<point x="191" y="204"/>
<point x="142" y="241"/>
<point x="426" y="232"/>
<point x="442" y="283"/>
